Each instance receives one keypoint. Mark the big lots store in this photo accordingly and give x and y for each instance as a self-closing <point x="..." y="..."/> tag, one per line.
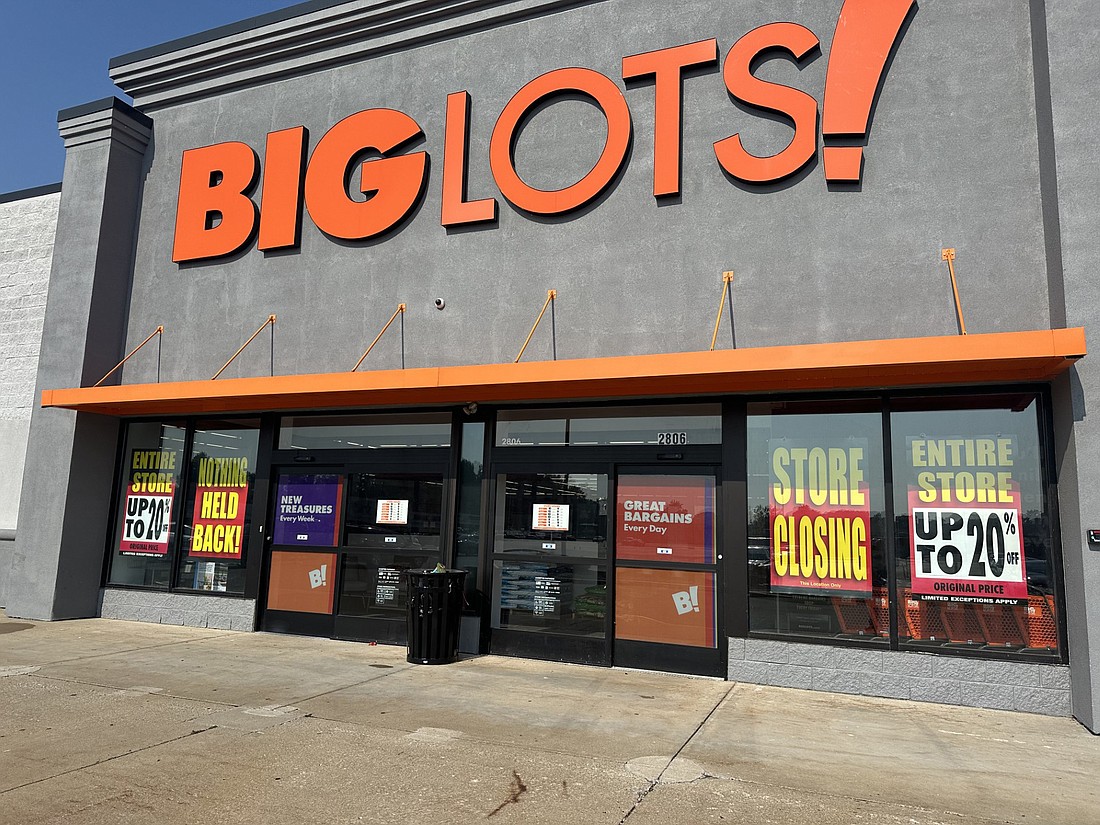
<point x="743" y="339"/>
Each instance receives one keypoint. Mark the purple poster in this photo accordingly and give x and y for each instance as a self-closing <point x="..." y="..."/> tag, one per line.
<point x="307" y="510"/>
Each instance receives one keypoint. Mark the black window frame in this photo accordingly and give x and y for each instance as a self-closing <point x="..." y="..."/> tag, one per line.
<point x="886" y="399"/>
<point x="253" y="539"/>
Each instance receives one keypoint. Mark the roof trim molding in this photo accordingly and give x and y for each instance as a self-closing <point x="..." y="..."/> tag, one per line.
<point x="33" y="192"/>
<point x="305" y="38"/>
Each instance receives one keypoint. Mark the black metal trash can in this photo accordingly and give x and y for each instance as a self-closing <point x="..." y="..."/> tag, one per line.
<point x="434" y="615"/>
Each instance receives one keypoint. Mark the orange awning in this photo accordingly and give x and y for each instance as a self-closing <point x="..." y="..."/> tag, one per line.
<point x="903" y="362"/>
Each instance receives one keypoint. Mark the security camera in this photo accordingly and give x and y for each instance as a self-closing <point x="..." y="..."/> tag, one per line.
<point x="440" y="303"/>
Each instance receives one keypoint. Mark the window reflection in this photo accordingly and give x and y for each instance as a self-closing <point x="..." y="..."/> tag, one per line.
<point x="817" y="561"/>
<point x="972" y="532"/>
<point x="365" y="432"/>
<point x="218" y="508"/>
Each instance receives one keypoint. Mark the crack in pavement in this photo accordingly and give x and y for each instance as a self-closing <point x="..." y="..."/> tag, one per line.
<point x="516" y="789"/>
<point x="393" y="672"/>
<point x="121" y="651"/>
<point x="69" y="680"/>
<point x="655" y="782"/>
<point x="107" y="759"/>
<point x="943" y="812"/>
<point x="167" y="692"/>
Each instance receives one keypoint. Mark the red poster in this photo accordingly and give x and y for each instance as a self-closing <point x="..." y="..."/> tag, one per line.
<point x="967" y="551"/>
<point x="665" y="518"/>
<point x="221" y="493"/>
<point x="821" y="548"/>
<point x="147" y="517"/>
<point x="217" y="528"/>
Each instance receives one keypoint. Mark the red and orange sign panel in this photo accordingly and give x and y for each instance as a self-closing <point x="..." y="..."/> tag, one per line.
<point x="221" y="495"/>
<point x="675" y="607"/>
<point x="665" y="518"/>
<point x="820" y="517"/>
<point x="301" y="582"/>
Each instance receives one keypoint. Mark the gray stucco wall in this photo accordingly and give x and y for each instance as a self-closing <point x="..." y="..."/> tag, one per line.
<point x="1074" y="66"/>
<point x="27" y="228"/>
<point x="952" y="160"/>
<point x="57" y="561"/>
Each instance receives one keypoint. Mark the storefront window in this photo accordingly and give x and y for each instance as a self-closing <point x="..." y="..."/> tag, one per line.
<point x="672" y="426"/>
<point x="218" y="508"/>
<point x="817" y="558"/>
<point x="553" y="514"/>
<point x="471" y="473"/>
<point x="551" y="597"/>
<point x="394" y="520"/>
<point x="391" y="511"/>
<point x="148" y="507"/>
<point x="973" y="536"/>
<point x="365" y="432"/>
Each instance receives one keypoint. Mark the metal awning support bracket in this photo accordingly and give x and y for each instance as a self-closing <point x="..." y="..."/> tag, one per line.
<point x="158" y="331"/>
<point x="551" y="295"/>
<point x="399" y="311"/>
<point x="269" y="322"/>
<point x="727" y="295"/>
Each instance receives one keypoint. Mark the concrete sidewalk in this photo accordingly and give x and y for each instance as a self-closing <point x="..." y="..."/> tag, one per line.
<point x="118" y="722"/>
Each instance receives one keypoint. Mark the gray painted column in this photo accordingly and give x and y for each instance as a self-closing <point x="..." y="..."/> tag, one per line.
<point x="1074" y="64"/>
<point x="65" y="505"/>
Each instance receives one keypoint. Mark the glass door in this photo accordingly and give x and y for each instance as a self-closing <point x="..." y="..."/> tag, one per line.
<point x="667" y="605"/>
<point x="303" y="533"/>
<point x="393" y="523"/>
<point x="550" y="563"/>
<point x="340" y="538"/>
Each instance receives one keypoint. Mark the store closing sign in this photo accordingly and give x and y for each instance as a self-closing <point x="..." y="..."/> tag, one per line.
<point x="966" y="527"/>
<point x="147" y="519"/>
<point x="216" y="215"/>
<point x="820" y="517"/>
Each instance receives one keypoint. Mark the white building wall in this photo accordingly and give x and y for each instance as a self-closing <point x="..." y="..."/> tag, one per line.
<point x="27" y="227"/>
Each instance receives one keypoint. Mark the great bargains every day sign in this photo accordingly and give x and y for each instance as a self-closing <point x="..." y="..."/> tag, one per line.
<point x="966" y="529"/>
<point x="666" y="518"/>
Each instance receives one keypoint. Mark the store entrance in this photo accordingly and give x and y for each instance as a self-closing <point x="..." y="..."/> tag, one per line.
<point x="341" y="537"/>
<point x="607" y="564"/>
<point x="667" y="570"/>
<point x="551" y="563"/>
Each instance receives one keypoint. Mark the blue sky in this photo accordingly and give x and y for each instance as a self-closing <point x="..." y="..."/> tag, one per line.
<point x="54" y="55"/>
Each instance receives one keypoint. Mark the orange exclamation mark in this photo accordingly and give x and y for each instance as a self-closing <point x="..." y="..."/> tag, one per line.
<point x="865" y="35"/>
